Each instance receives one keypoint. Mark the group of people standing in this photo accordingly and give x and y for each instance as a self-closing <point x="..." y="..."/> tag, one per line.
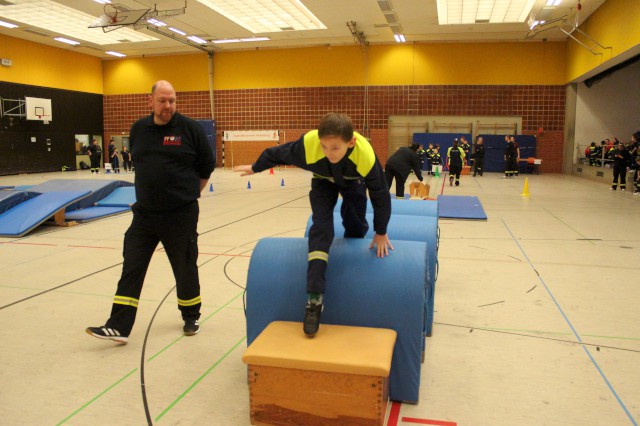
<point x="95" y="155"/>
<point x="625" y="158"/>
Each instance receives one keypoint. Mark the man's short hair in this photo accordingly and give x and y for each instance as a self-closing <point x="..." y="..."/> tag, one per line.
<point x="334" y="124"/>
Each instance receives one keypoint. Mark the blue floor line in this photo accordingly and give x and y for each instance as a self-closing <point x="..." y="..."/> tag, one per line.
<point x="576" y="334"/>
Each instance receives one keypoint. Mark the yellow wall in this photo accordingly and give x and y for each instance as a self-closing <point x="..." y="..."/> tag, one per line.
<point x="617" y="24"/>
<point x="136" y="75"/>
<point x="402" y="64"/>
<point x="41" y="65"/>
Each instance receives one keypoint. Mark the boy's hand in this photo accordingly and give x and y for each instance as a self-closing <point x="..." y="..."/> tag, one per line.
<point x="382" y="244"/>
<point x="244" y="170"/>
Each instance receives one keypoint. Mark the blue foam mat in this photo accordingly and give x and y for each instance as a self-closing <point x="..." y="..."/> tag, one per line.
<point x="120" y="197"/>
<point x="460" y="207"/>
<point x="92" y="213"/>
<point x="404" y="207"/>
<point x="29" y="214"/>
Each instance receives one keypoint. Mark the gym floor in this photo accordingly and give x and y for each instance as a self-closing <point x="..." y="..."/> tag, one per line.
<point x="536" y="318"/>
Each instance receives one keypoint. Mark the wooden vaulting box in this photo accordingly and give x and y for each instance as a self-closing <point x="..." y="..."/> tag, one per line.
<point x="338" y="377"/>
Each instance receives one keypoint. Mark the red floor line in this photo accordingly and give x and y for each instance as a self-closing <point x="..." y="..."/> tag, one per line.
<point x="30" y="244"/>
<point x="394" y="414"/>
<point x="429" y="422"/>
<point x="444" y="176"/>
<point x="91" y="247"/>
<point x="224" y="254"/>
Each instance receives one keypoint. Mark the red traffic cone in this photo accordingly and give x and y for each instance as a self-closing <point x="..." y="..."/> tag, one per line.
<point x="271" y="171"/>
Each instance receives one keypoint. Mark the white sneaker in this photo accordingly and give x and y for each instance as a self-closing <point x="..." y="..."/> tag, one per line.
<point x="623" y="189"/>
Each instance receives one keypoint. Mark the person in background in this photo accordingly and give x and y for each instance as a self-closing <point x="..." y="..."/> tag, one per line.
<point x="455" y="160"/>
<point x="636" y="179"/>
<point x="621" y="161"/>
<point x="510" y="158"/>
<point x="115" y="160"/>
<point x="478" y="157"/>
<point x="95" y="155"/>
<point x="436" y="159"/>
<point x="516" y="168"/>
<point x="422" y="154"/>
<point x="465" y="147"/>
<point x="400" y="164"/>
<point x="429" y="153"/>
<point x="343" y="163"/>
<point x="126" y="159"/>
<point x="174" y="161"/>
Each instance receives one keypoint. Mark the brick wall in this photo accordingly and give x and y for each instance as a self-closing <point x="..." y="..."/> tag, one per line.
<point x="296" y="110"/>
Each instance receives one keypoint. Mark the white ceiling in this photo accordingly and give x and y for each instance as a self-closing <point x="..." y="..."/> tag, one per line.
<point x="418" y="19"/>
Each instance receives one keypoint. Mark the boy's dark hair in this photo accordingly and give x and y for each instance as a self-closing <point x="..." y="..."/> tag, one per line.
<point x="334" y="124"/>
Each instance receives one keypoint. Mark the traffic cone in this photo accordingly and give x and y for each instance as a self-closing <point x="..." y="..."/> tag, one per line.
<point x="525" y="190"/>
<point x="271" y="171"/>
<point x="437" y="172"/>
<point x="248" y="184"/>
<point x="282" y="183"/>
<point x="210" y="187"/>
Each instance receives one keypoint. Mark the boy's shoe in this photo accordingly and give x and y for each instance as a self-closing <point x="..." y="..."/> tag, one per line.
<point x="450" y="180"/>
<point x="312" y="315"/>
<point x="623" y="189"/>
<point x="612" y="189"/>
<point x="191" y="327"/>
<point x="107" y="334"/>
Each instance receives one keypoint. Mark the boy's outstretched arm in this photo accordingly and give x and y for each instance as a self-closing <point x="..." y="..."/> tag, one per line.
<point x="244" y="170"/>
<point x="382" y="244"/>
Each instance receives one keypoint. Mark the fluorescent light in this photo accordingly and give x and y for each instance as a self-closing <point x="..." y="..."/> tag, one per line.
<point x="156" y="23"/>
<point x="103" y="1"/>
<point x="57" y="18"/>
<point x="255" y="39"/>
<point x="177" y="31"/>
<point x="112" y="53"/>
<point x="267" y="16"/>
<point x="452" y="12"/>
<point x="66" y="40"/>
<point x="399" y="38"/>
<point x="554" y="2"/>
<point x="197" y="39"/>
<point x="7" y="24"/>
<point x="226" y="40"/>
<point x="240" y="40"/>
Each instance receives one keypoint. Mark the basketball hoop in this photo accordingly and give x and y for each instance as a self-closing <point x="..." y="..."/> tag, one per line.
<point x="111" y="13"/>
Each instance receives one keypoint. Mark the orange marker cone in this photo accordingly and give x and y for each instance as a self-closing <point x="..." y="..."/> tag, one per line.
<point x="271" y="171"/>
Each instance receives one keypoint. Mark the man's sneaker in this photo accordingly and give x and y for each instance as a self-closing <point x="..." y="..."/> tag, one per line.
<point x="191" y="327"/>
<point x="312" y="318"/>
<point x="107" y="334"/>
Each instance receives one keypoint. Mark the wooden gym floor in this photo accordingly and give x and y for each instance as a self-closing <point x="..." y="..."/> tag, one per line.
<point x="537" y="311"/>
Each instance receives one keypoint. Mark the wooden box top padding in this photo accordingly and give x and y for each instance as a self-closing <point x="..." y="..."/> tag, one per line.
<point x="334" y="349"/>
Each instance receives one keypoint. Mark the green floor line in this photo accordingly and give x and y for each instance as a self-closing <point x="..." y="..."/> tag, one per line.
<point x="148" y="360"/>
<point x="96" y="397"/>
<point x="194" y="384"/>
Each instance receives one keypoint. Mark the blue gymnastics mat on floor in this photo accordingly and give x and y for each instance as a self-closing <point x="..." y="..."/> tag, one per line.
<point x="120" y="197"/>
<point x="93" y="213"/>
<point x="460" y="207"/>
<point x="29" y="214"/>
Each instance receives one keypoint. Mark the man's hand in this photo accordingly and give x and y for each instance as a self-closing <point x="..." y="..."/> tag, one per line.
<point x="382" y="244"/>
<point x="244" y="170"/>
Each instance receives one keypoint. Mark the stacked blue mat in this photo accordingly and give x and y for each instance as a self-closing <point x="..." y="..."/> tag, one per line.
<point x="362" y="289"/>
<point x="21" y="211"/>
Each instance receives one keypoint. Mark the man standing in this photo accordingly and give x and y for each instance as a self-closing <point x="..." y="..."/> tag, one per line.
<point x="174" y="161"/>
<point x="400" y="164"/>
<point x="95" y="155"/>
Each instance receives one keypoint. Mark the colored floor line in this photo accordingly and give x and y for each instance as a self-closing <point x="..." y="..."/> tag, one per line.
<point x="604" y="377"/>
<point x="394" y="414"/>
<point x="148" y="360"/>
<point x="568" y="226"/>
<point x="428" y="422"/>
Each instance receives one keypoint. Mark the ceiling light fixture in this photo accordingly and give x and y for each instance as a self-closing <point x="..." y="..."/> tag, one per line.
<point x="399" y="38"/>
<point x="156" y="22"/>
<point x="177" y="31"/>
<point x="239" y="40"/>
<point x="66" y="40"/>
<point x="103" y="1"/>
<point x="7" y="24"/>
<point x="197" y="39"/>
<point x="452" y="12"/>
<point x="554" y="2"/>
<point x="267" y="16"/>
<point x="112" y="53"/>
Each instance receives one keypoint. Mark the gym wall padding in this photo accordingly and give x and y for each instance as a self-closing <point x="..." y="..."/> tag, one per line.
<point x="404" y="207"/>
<point x="362" y="290"/>
<point x="496" y="147"/>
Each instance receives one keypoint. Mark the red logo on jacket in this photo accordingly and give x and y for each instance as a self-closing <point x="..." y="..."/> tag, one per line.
<point x="172" y="140"/>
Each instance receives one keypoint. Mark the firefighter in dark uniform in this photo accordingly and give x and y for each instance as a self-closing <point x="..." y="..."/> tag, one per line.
<point x="510" y="158"/>
<point x="95" y="155"/>
<point x="174" y="161"/>
<point x="436" y="159"/>
<point x="429" y="154"/>
<point x="478" y="157"/>
<point x="621" y="160"/>
<point x="343" y="163"/>
<point x="455" y="159"/>
<point x="400" y="164"/>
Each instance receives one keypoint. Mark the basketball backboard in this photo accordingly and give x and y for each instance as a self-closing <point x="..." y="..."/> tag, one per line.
<point x="115" y="19"/>
<point x="38" y="109"/>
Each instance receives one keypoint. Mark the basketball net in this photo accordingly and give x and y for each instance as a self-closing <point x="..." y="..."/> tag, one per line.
<point x="111" y="12"/>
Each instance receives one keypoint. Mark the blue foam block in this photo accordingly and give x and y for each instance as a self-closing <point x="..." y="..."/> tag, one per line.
<point x="27" y="215"/>
<point x="99" y="189"/>
<point x="92" y="213"/>
<point x="405" y="207"/>
<point x="120" y="197"/>
<point x="362" y="290"/>
<point x="407" y="228"/>
<point x="6" y="187"/>
<point x="461" y="207"/>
